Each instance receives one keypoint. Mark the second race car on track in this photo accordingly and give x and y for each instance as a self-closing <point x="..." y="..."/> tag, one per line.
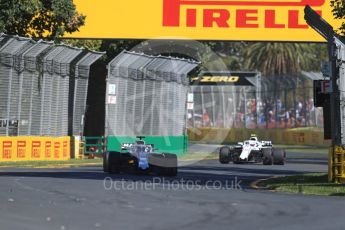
<point x="252" y="150"/>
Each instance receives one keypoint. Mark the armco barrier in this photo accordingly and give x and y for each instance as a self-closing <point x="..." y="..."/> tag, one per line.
<point x="34" y="148"/>
<point x="299" y="136"/>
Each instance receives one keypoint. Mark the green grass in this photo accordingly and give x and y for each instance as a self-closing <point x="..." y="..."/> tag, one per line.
<point x="303" y="149"/>
<point x="311" y="151"/>
<point x="308" y="184"/>
<point x="199" y="156"/>
<point x="50" y="164"/>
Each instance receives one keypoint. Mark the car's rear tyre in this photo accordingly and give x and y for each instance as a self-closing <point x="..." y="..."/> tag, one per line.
<point x="114" y="162"/>
<point x="171" y="172"/>
<point x="171" y="165"/>
<point x="224" y="155"/>
<point x="164" y="164"/>
<point x="106" y="168"/>
<point x="279" y="157"/>
<point x="267" y="156"/>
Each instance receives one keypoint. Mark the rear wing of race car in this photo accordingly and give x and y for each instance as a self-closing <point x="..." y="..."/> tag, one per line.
<point x="127" y="146"/>
<point x="266" y="143"/>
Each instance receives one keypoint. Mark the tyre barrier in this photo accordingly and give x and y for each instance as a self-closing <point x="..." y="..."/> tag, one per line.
<point x="35" y="148"/>
<point x="336" y="170"/>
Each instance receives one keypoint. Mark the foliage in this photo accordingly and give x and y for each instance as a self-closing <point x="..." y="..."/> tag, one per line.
<point x="308" y="184"/>
<point x="85" y="43"/>
<point x="273" y="58"/>
<point x="115" y="47"/>
<point x="339" y="13"/>
<point x="39" y="18"/>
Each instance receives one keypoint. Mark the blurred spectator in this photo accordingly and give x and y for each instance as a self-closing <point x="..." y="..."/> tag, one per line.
<point x="206" y="119"/>
<point x="247" y="112"/>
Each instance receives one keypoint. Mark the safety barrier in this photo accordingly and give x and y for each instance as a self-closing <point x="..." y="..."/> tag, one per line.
<point x="163" y="144"/>
<point x="43" y="87"/>
<point x="93" y="145"/>
<point x="77" y="148"/>
<point x="337" y="164"/>
<point x="301" y="136"/>
<point x="34" y="148"/>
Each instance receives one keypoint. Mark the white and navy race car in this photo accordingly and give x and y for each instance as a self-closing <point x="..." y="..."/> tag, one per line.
<point x="252" y="150"/>
<point x="140" y="157"/>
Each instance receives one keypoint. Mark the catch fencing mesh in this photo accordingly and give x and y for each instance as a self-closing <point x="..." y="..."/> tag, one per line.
<point x="146" y="95"/>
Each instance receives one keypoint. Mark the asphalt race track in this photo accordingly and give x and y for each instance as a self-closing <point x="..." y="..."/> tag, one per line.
<point x="205" y="195"/>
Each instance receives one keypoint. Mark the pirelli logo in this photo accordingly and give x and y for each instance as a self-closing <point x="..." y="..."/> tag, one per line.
<point x="234" y="20"/>
<point x="225" y="78"/>
<point x="216" y="79"/>
<point x="234" y="14"/>
<point x="48" y="149"/>
<point x="7" y="150"/>
<point x="57" y="150"/>
<point x="36" y="149"/>
<point x="21" y="149"/>
<point x="65" y="149"/>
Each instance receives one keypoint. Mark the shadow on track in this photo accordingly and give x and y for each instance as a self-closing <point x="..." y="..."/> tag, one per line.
<point x="194" y="174"/>
<point x="313" y="161"/>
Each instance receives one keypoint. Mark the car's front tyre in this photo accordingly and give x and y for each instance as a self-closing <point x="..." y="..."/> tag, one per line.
<point x="114" y="162"/>
<point x="224" y="155"/>
<point x="106" y="168"/>
<point x="267" y="156"/>
<point x="279" y="156"/>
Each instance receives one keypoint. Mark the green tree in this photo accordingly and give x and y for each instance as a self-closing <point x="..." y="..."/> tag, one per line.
<point x="115" y="47"/>
<point x="339" y="13"/>
<point x="84" y="43"/>
<point x="272" y="58"/>
<point x="39" y="18"/>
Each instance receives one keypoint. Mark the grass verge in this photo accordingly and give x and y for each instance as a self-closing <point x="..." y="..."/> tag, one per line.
<point x="302" y="149"/>
<point x="51" y="164"/>
<point x="199" y="156"/>
<point x="308" y="184"/>
<point x="288" y="149"/>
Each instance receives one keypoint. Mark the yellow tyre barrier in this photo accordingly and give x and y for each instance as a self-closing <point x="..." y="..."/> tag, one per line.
<point x="336" y="164"/>
<point x="34" y="148"/>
